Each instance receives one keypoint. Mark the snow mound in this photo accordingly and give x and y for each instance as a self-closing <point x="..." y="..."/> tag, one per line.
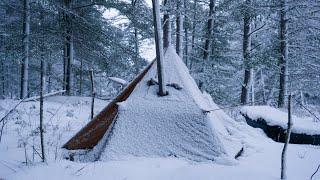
<point x="273" y="117"/>
<point x="175" y="125"/>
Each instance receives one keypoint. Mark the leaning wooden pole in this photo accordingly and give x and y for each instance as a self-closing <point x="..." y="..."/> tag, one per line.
<point x="92" y="93"/>
<point x="159" y="47"/>
<point x="284" y="151"/>
<point x="42" y="90"/>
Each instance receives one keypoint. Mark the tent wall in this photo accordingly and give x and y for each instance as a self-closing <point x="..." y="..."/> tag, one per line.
<point x="92" y="133"/>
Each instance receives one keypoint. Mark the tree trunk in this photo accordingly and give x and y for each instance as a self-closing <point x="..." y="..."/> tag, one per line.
<point x="2" y="78"/>
<point x="186" y="44"/>
<point x="42" y="91"/>
<point x="179" y="30"/>
<point x="167" y="24"/>
<point x="92" y="93"/>
<point x="136" y="39"/>
<point x="252" y="87"/>
<point x="26" y="42"/>
<point x="49" y="77"/>
<point x="263" y="87"/>
<point x="159" y="47"/>
<point x="246" y="54"/>
<point x="64" y="82"/>
<point x="194" y="26"/>
<point x="283" y="54"/>
<point x="207" y="45"/>
<point x="69" y="47"/>
<point x="284" y="151"/>
<point x="81" y="77"/>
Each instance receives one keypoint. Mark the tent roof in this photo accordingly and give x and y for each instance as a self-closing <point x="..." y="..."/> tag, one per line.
<point x="173" y="125"/>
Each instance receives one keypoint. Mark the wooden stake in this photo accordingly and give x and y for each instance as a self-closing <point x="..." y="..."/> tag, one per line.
<point x="284" y="151"/>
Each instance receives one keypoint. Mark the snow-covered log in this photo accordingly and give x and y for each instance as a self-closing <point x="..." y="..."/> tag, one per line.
<point x="35" y="98"/>
<point x="118" y="80"/>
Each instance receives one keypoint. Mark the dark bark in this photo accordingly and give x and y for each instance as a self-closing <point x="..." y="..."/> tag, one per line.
<point x="167" y="24"/>
<point x="179" y="28"/>
<point x="26" y="42"/>
<point x="207" y="44"/>
<point x="42" y="91"/>
<point x="283" y="54"/>
<point x="186" y="36"/>
<point x="69" y="47"/>
<point x="81" y="77"/>
<point x="194" y="26"/>
<point x="136" y="39"/>
<point x="246" y="54"/>
<point x="93" y="93"/>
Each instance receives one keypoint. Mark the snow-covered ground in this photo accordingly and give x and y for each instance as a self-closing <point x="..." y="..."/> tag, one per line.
<point x="64" y="116"/>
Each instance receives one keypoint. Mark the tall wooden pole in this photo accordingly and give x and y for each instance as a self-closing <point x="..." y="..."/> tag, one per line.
<point x="159" y="47"/>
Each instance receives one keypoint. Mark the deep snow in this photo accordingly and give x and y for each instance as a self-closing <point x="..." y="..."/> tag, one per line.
<point x="260" y="160"/>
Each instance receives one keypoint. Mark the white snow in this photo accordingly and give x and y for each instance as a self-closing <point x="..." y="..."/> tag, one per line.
<point x="275" y="116"/>
<point x="260" y="160"/>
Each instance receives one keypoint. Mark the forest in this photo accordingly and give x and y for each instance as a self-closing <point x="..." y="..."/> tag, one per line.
<point x="254" y="51"/>
<point x="244" y="62"/>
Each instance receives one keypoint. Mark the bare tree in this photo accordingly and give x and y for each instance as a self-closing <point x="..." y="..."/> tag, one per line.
<point x="283" y="54"/>
<point x="159" y="47"/>
<point x="26" y="43"/>
<point x="246" y="47"/>
<point x="69" y="53"/>
<point x="207" y="44"/>
<point x="167" y="24"/>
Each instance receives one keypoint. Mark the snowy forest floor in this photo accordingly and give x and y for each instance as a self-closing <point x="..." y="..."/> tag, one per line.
<point x="64" y="116"/>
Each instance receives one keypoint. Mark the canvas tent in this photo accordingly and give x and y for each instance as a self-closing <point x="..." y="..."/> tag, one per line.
<point x="140" y="123"/>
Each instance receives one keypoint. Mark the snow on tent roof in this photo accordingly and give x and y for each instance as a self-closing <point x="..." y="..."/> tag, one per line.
<point x="173" y="125"/>
<point x="140" y="123"/>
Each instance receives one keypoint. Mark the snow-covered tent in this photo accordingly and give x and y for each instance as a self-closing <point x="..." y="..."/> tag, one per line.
<point x="140" y="123"/>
